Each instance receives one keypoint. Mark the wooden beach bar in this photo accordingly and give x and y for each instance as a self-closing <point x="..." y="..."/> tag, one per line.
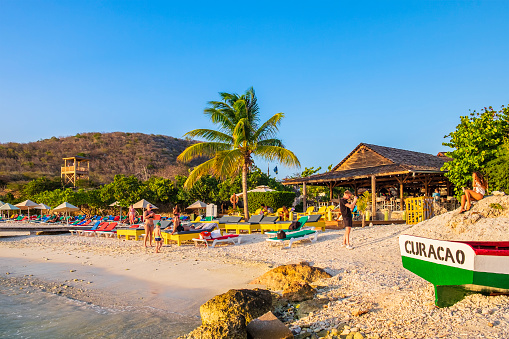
<point x="378" y="168"/>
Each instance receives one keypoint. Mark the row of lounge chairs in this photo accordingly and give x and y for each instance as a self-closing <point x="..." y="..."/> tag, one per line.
<point x="264" y="223"/>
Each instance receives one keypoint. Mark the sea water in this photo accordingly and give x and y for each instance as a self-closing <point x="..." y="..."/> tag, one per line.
<point x="45" y="315"/>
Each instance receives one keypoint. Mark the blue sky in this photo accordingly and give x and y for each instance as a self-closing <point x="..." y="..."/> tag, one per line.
<point x="392" y="73"/>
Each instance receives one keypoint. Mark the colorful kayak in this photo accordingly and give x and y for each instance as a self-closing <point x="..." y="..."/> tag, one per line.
<point x="457" y="268"/>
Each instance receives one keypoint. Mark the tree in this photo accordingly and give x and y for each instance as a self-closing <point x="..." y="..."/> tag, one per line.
<point x="497" y="170"/>
<point x="240" y="137"/>
<point x="475" y="143"/>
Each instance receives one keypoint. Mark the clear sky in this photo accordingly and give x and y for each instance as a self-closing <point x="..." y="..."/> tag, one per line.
<point x="392" y="73"/>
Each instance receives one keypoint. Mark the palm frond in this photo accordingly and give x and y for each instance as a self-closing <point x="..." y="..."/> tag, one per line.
<point x="198" y="172"/>
<point x="269" y="128"/>
<point x="208" y="149"/>
<point x="228" y="163"/>
<point x="271" y="142"/>
<point x="280" y="154"/>
<point x="209" y="134"/>
<point x="240" y="134"/>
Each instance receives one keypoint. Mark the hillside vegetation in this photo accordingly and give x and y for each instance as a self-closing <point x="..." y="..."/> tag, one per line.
<point x="136" y="154"/>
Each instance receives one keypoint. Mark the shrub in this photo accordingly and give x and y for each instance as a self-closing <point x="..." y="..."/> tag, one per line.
<point x="275" y="199"/>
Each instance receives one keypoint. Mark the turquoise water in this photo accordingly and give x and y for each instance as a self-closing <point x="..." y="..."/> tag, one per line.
<point x="44" y="315"/>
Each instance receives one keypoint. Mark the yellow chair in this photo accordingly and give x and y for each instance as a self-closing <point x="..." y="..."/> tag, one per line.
<point x="308" y="212"/>
<point x="321" y="210"/>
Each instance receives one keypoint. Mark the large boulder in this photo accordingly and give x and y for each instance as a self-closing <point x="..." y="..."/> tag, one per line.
<point x="298" y="291"/>
<point x="234" y="328"/>
<point x="282" y="277"/>
<point x="247" y="303"/>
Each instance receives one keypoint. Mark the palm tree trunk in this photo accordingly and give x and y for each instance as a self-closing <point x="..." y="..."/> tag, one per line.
<point x="244" y="190"/>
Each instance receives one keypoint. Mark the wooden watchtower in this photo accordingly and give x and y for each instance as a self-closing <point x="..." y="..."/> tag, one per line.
<point x="75" y="168"/>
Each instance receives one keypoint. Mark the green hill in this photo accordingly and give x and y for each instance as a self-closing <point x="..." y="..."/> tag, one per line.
<point x="110" y="153"/>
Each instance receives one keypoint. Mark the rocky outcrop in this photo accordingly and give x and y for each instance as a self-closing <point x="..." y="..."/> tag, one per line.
<point x="227" y="315"/>
<point x="282" y="277"/>
<point x="298" y="291"/>
<point x="249" y="303"/>
<point x="234" y="328"/>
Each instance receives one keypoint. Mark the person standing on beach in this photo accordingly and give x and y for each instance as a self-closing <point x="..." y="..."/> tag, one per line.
<point x="157" y="237"/>
<point x="148" y="216"/>
<point x="346" y="208"/>
<point x="132" y="215"/>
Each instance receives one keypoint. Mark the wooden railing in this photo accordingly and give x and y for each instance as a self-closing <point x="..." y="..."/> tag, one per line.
<point x="72" y="169"/>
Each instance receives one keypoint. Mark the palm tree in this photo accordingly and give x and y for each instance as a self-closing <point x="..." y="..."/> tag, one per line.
<point x="239" y="137"/>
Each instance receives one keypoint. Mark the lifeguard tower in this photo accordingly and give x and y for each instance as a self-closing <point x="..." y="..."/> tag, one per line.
<point x="75" y="168"/>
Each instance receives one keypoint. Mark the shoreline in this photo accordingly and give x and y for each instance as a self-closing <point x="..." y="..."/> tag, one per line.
<point x="181" y="278"/>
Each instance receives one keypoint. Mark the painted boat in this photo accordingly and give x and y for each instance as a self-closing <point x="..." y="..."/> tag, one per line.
<point x="457" y="268"/>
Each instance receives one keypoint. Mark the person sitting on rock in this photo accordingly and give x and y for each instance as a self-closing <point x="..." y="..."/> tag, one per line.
<point x="480" y="185"/>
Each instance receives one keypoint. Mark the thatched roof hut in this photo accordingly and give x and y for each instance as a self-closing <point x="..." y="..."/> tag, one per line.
<point x="375" y="167"/>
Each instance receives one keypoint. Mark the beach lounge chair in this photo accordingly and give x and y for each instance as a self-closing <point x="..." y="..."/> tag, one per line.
<point x="136" y="231"/>
<point x="78" y="231"/>
<point x="108" y="231"/>
<point x="229" y="238"/>
<point x="316" y="221"/>
<point x="182" y="236"/>
<point x="225" y="219"/>
<point x="309" y="210"/>
<point x="283" y="225"/>
<point x="90" y="232"/>
<point x="251" y="225"/>
<point x="295" y="236"/>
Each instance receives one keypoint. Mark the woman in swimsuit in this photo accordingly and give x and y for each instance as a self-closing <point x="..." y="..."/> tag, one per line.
<point x="148" y="216"/>
<point x="132" y="215"/>
<point x="480" y="185"/>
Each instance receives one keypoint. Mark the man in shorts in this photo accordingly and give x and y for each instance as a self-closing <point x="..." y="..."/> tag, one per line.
<point x="346" y="208"/>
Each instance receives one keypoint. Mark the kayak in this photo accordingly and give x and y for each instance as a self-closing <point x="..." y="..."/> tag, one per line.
<point x="457" y="268"/>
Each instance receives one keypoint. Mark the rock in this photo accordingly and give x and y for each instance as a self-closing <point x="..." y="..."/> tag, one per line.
<point x="268" y="327"/>
<point x="249" y="303"/>
<point x="299" y="291"/>
<point x="358" y="335"/>
<point x="359" y="312"/>
<point x="282" y="276"/>
<point x="234" y="328"/>
<point x="307" y="307"/>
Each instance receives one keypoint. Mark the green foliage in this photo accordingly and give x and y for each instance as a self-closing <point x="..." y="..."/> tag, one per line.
<point x="364" y="202"/>
<point x="272" y="199"/>
<point x="475" y="143"/>
<point x="497" y="171"/>
<point x="40" y="185"/>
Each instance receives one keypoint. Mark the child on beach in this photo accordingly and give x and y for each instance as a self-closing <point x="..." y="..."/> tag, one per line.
<point x="157" y="237"/>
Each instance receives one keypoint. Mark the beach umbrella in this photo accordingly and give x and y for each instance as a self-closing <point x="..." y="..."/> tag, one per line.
<point x="143" y="204"/>
<point x="42" y="206"/>
<point x="26" y="205"/>
<point x="198" y="205"/>
<point x="261" y="188"/>
<point x="8" y="207"/>
<point x="66" y="207"/>
<point x="117" y="204"/>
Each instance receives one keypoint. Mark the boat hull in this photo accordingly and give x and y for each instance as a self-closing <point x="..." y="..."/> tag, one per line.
<point x="454" y="268"/>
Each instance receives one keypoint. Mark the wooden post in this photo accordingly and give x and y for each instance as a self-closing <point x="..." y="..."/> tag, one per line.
<point x="401" y="202"/>
<point x="373" y="200"/>
<point x="304" y="194"/>
<point x="330" y="191"/>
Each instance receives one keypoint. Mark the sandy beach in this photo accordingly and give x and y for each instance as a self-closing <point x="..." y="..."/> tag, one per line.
<point x="113" y="273"/>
